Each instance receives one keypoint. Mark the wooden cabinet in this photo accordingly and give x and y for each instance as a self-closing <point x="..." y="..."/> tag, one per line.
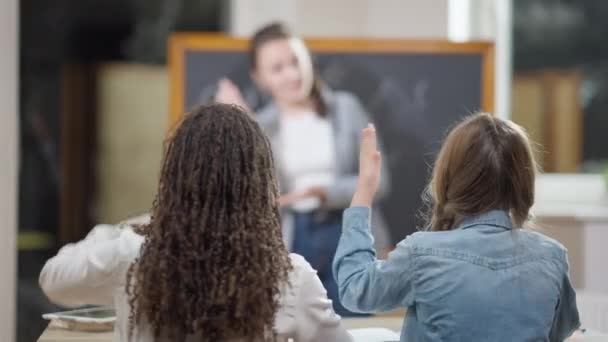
<point x="547" y="104"/>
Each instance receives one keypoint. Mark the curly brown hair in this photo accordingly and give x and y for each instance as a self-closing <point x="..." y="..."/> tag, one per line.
<point x="213" y="260"/>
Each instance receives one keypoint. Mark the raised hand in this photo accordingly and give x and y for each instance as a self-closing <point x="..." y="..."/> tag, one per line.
<point x="228" y="92"/>
<point x="369" y="169"/>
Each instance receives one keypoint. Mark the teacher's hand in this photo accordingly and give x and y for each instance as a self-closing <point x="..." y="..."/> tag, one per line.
<point x="228" y="92"/>
<point x="369" y="169"/>
<point x="287" y="200"/>
<point x="293" y="197"/>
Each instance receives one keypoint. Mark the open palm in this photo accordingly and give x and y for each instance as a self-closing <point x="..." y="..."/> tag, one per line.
<point x="369" y="168"/>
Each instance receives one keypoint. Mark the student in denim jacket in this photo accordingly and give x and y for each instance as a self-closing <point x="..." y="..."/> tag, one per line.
<point x="475" y="275"/>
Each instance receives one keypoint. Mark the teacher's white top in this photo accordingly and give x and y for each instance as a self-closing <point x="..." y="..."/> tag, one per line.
<point x="93" y="271"/>
<point x="307" y="155"/>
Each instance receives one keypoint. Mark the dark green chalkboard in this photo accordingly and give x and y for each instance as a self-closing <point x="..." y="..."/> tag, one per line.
<point x="413" y="91"/>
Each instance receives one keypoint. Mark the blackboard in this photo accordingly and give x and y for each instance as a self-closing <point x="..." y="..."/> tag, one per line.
<point x="413" y="91"/>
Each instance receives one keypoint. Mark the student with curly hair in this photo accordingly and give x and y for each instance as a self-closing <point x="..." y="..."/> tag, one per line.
<point x="210" y="264"/>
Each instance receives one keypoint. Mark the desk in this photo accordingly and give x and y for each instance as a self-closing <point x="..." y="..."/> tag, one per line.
<point x="55" y="334"/>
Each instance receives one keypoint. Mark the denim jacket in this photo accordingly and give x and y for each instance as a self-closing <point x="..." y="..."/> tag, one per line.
<point x="483" y="281"/>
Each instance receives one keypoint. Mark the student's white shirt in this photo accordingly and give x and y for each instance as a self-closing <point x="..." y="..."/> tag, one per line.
<point x="93" y="271"/>
<point x="307" y="155"/>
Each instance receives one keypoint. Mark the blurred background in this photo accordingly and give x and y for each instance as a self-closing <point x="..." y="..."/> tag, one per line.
<point x="93" y="99"/>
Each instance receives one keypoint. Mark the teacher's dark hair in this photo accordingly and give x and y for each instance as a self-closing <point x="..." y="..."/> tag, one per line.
<point x="278" y="31"/>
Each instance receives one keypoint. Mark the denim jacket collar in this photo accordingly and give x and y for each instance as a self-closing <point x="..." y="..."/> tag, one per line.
<point x="498" y="218"/>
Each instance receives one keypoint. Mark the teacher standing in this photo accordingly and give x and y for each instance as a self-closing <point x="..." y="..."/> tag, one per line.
<point x="315" y="136"/>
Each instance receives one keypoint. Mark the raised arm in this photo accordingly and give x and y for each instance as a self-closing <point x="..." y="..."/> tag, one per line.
<point x="367" y="284"/>
<point x="341" y="192"/>
<point x="87" y="272"/>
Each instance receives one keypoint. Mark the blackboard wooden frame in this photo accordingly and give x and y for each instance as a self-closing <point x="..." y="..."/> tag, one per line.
<point x="181" y="43"/>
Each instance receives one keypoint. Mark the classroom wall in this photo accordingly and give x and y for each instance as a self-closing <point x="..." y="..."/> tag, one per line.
<point x="344" y="18"/>
<point x="9" y="44"/>
<point x="132" y="123"/>
<point x="457" y="20"/>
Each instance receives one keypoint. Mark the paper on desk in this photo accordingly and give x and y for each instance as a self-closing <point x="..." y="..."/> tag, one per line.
<point x="387" y="335"/>
<point x="585" y="335"/>
<point x="374" y="335"/>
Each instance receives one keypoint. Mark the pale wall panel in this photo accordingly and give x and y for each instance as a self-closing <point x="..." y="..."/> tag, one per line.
<point x="132" y="123"/>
